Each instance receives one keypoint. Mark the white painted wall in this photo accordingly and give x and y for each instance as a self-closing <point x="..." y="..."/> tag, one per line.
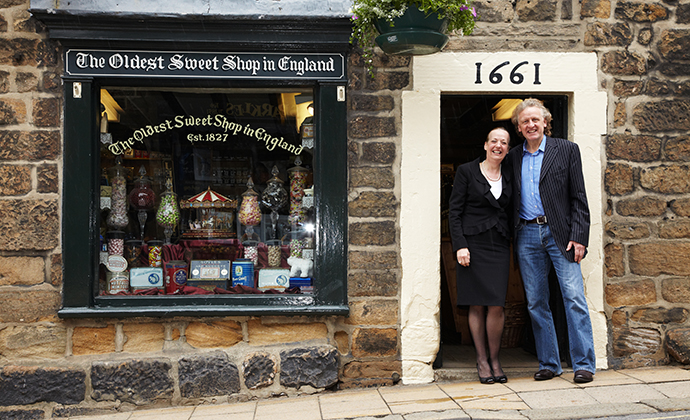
<point x="572" y="74"/>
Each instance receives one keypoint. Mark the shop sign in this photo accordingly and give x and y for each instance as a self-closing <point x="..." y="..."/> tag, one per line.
<point x="204" y="65"/>
<point x="218" y="121"/>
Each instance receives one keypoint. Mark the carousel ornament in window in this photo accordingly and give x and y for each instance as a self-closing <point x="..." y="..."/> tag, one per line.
<point x="274" y="198"/>
<point x="142" y="198"/>
<point x="298" y="180"/>
<point x="168" y="215"/>
<point x="209" y="214"/>
<point x="250" y="213"/>
<point x="118" y="219"/>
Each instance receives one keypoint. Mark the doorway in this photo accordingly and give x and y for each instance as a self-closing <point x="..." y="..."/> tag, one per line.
<point x="465" y="122"/>
<point x="573" y="74"/>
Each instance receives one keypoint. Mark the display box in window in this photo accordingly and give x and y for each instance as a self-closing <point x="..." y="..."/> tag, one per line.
<point x="209" y="269"/>
<point x="208" y="215"/>
<point x="305" y="284"/>
<point x="143" y="278"/>
<point x="209" y="274"/>
<point x="274" y="278"/>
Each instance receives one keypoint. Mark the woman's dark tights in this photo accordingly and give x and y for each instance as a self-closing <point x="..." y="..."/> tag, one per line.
<point x="486" y="327"/>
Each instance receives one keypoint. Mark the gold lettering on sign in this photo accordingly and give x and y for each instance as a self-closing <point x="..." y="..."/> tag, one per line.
<point x="218" y="121"/>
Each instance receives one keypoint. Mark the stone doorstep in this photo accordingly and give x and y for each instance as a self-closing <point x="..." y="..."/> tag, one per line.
<point x="470" y="374"/>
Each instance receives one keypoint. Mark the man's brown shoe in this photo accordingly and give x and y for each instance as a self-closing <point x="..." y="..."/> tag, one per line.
<point x="583" y="376"/>
<point x="544" y="375"/>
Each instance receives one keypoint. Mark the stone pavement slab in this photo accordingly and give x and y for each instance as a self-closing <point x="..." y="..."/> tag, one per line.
<point x="353" y="404"/>
<point x="438" y="415"/>
<point x="587" y="411"/>
<point x="624" y="393"/>
<point x="557" y="398"/>
<point x="388" y="417"/>
<point x="300" y="408"/>
<point x="473" y="390"/>
<point x="659" y="374"/>
<point x="239" y="411"/>
<point x="415" y="398"/>
<point x="529" y="384"/>
<point x="115" y="416"/>
<point x="605" y="377"/>
<point x="502" y="402"/>
<point x="673" y="389"/>
<point x="669" y="404"/>
<point x="174" y="413"/>
<point x="495" y="414"/>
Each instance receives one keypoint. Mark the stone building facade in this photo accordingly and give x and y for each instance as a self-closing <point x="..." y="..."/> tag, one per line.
<point x="57" y="366"/>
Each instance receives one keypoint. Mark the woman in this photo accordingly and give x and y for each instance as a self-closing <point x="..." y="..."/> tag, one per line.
<point x="479" y="227"/>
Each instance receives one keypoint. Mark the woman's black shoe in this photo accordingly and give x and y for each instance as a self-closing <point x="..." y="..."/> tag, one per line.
<point x="488" y="380"/>
<point x="501" y="379"/>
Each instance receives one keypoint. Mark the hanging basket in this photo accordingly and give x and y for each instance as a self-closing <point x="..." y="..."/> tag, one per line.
<point x="413" y="33"/>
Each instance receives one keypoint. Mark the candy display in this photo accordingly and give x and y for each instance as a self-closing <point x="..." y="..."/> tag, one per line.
<point x="242" y="272"/>
<point x="116" y="243"/>
<point x="155" y="250"/>
<point x="274" y="253"/>
<point x="296" y="246"/>
<point x="168" y="215"/>
<point x="298" y="181"/>
<point x="250" y="213"/>
<point x="175" y="276"/>
<point x="142" y="198"/>
<point x="251" y="251"/>
<point x="133" y="252"/>
<point x="274" y="197"/>
<point x="118" y="219"/>
<point x="117" y="282"/>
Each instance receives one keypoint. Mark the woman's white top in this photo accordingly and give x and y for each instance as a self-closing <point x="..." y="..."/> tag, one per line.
<point x="496" y="187"/>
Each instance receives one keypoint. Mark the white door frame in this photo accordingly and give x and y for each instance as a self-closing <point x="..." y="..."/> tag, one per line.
<point x="571" y="74"/>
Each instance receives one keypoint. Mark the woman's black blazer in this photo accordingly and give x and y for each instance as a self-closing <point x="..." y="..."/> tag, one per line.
<point x="473" y="209"/>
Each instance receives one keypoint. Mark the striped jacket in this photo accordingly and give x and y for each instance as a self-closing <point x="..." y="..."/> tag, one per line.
<point x="562" y="190"/>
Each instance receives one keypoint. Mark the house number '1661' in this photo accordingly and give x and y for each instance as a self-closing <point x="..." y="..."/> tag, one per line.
<point x="515" y="76"/>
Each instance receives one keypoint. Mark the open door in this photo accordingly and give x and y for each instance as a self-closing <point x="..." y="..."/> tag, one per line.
<point x="465" y="122"/>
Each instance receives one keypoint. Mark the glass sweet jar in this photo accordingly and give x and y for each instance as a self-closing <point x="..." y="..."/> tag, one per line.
<point x="168" y="214"/>
<point x="298" y="181"/>
<point x="250" y="213"/>
<point x="118" y="219"/>
<point x="274" y="198"/>
<point x="142" y="198"/>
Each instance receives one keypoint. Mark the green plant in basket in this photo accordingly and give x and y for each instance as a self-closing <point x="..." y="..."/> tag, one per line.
<point x="459" y="14"/>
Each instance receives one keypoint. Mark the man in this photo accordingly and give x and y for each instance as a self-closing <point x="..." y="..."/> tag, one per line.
<point x="551" y="218"/>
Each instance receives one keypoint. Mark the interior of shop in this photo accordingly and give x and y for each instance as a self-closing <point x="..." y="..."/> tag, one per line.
<point x="465" y="122"/>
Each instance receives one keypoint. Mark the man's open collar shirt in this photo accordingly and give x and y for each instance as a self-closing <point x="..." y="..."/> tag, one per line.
<point x="530" y="199"/>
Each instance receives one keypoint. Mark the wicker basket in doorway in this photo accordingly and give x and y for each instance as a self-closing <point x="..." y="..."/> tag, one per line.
<point x="515" y="319"/>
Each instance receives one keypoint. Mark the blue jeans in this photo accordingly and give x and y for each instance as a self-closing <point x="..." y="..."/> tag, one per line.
<point x="535" y="249"/>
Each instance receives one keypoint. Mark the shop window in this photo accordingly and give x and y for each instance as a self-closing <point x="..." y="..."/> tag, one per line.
<point x="204" y="200"/>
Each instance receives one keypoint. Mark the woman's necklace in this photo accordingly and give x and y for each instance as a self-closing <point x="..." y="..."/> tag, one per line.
<point x="486" y="173"/>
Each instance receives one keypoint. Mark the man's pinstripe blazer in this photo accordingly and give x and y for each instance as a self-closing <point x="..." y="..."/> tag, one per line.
<point x="562" y="190"/>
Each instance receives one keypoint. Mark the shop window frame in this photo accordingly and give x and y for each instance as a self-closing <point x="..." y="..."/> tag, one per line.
<point x="80" y="213"/>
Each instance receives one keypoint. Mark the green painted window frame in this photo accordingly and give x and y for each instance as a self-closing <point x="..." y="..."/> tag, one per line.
<point x="80" y="215"/>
